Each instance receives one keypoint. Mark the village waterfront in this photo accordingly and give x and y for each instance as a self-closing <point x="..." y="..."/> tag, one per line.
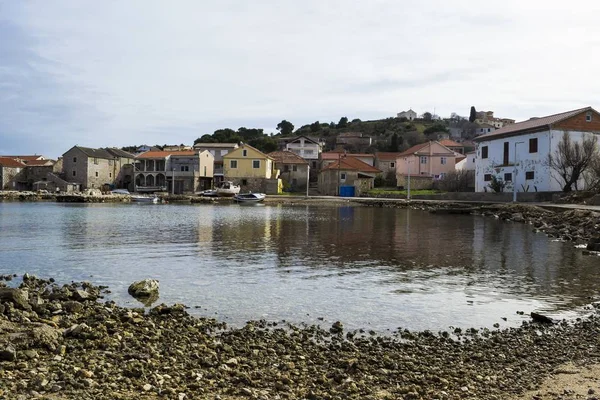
<point x="371" y="268"/>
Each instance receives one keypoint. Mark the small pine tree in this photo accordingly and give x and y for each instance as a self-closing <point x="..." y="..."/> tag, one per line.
<point x="472" y="114"/>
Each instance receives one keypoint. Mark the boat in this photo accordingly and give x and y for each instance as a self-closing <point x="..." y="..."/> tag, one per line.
<point x="249" y="197"/>
<point x="120" y="191"/>
<point x="228" y="189"/>
<point x="136" y="198"/>
<point x="208" y="193"/>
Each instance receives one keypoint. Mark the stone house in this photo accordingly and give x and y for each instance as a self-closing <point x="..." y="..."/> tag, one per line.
<point x="518" y="153"/>
<point x="293" y="169"/>
<point x="218" y="150"/>
<point x="94" y="168"/>
<point x="12" y="174"/>
<point x="347" y="171"/>
<point x="175" y="172"/>
<point x="333" y="156"/>
<point x="252" y="169"/>
<point x="386" y="162"/>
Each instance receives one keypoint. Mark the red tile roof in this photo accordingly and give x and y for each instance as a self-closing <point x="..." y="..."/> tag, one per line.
<point x="413" y="149"/>
<point x="287" y="157"/>
<point x="351" y="163"/>
<point x="532" y="123"/>
<point x="10" y="163"/>
<point x="25" y="158"/>
<point x="388" y="156"/>
<point x="164" y="154"/>
<point x="35" y="163"/>
<point x="449" y="143"/>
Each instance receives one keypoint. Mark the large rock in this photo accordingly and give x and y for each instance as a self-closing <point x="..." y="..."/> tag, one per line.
<point x="20" y="298"/>
<point x="144" y="290"/>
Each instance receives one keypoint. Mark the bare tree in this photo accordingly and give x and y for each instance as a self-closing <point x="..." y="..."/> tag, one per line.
<point x="572" y="159"/>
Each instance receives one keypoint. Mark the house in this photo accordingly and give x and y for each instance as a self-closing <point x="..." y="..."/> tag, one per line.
<point x="354" y="139"/>
<point x="409" y="115"/>
<point x="94" y="168"/>
<point x="175" y="172"/>
<point x="12" y="174"/>
<point x="467" y="163"/>
<point x="347" y="171"/>
<point x="252" y="169"/>
<point x="218" y="150"/>
<point x="452" y="145"/>
<point x="483" y="129"/>
<point x="306" y="147"/>
<point x="487" y="118"/>
<point x="293" y="169"/>
<point x="424" y="163"/>
<point x="518" y="153"/>
<point x="177" y="147"/>
<point x="386" y="161"/>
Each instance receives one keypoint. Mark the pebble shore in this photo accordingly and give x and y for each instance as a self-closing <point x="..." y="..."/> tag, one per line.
<point x="63" y="342"/>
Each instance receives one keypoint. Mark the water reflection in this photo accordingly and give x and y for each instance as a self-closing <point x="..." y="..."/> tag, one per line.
<point x="372" y="267"/>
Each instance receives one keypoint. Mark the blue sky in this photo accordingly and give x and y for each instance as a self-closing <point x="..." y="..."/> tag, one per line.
<point x="117" y="73"/>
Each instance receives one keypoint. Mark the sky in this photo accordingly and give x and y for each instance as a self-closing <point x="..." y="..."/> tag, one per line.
<point x="115" y="73"/>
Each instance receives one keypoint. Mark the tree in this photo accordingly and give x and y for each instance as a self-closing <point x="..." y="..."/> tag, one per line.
<point x="343" y="122"/>
<point x="427" y="116"/>
<point x="394" y="143"/>
<point x="571" y="159"/>
<point x="435" y="128"/>
<point x="315" y="126"/>
<point x="285" y="127"/>
<point x="472" y="114"/>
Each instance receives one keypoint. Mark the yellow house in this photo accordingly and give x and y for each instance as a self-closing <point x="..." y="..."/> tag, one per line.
<point x="252" y="169"/>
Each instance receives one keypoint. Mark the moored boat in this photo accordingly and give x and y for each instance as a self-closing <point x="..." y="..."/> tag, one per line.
<point x="144" y="199"/>
<point x="228" y="189"/>
<point x="249" y="197"/>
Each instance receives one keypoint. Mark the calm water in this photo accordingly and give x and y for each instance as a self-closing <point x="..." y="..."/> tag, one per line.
<point x="370" y="268"/>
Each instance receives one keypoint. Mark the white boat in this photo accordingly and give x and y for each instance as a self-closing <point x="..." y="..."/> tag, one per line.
<point x="228" y="189"/>
<point x="120" y="191"/>
<point x="144" y="199"/>
<point x="249" y="197"/>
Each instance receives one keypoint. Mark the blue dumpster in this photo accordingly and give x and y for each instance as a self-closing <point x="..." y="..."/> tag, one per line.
<point x="347" y="191"/>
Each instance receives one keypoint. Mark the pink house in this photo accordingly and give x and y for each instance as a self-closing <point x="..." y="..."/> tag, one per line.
<point x="424" y="162"/>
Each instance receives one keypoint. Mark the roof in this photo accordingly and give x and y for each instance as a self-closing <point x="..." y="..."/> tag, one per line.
<point x="334" y="155"/>
<point x="382" y="155"/>
<point x="533" y="123"/>
<point x="26" y="158"/>
<point x="449" y="143"/>
<point x="287" y="157"/>
<point x="95" y="153"/>
<point x="10" y="163"/>
<point x="415" y="149"/>
<point x="165" y="154"/>
<point x="215" y="145"/>
<point x="36" y="163"/>
<point x="486" y="126"/>
<point x="352" y="163"/>
<point x="119" y="153"/>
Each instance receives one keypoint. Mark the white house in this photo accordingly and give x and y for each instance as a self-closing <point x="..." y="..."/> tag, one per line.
<point x="409" y="115"/>
<point x="532" y="141"/>
<point x="468" y="163"/>
<point x="307" y="148"/>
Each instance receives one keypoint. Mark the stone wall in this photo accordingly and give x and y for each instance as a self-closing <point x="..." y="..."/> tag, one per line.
<point x="417" y="182"/>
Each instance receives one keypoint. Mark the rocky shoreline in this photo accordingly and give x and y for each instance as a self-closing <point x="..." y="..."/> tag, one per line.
<point x="63" y="342"/>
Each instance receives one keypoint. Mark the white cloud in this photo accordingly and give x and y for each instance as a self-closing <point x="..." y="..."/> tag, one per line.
<point x="119" y="73"/>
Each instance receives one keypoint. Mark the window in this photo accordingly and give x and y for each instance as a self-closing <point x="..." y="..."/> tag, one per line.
<point x="96" y="174"/>
<point x="487" y="177"/>
<point x="255" y="164"/>
<point x="286" y="168"/>
<point x="392" y="165"/>
<point x="308" y="152"/>
<point x="588" y="117"/>
<point x="443" y="160"/>
<point x="74" y="173"/>
<point x="110" y="174"/>
<point x="505" y="154"/>
<point x="529" y="175"/>
<point x="423" y="159"/>
<point x="533" y="145"/>
<point x="343" y="177"/>
<point x="484" y="152"/>
<point x="244" y="152"/>
<point x="244" y="182"/>
<point x="508" y="177"/>
<point x="185" y="168"/>
<point x="294" y="168"/>
<point x="74" y="159"/>
<point x="205" y="170"/>
<point x="233" y="164"/>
